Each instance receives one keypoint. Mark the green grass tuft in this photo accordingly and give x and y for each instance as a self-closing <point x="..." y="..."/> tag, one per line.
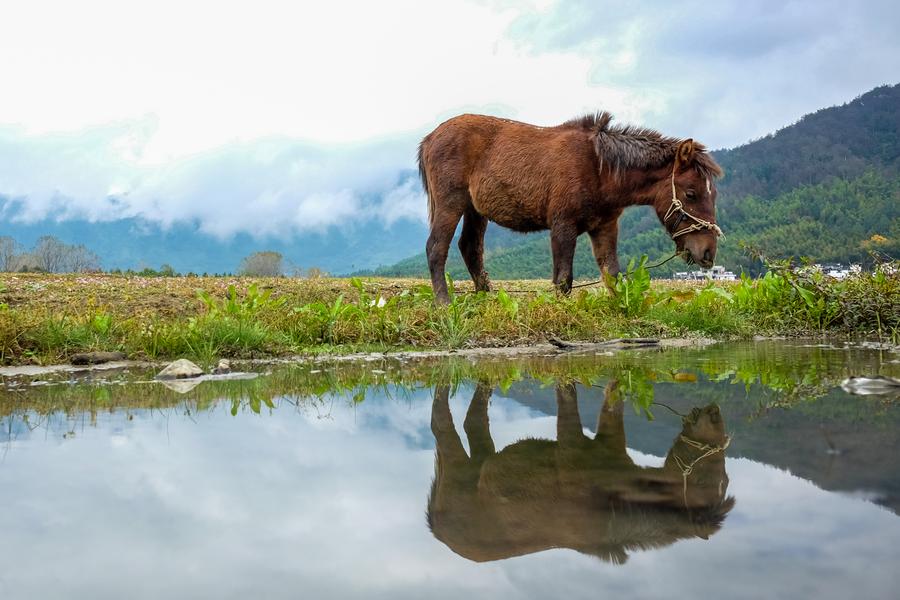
<point x="47" y="318"/>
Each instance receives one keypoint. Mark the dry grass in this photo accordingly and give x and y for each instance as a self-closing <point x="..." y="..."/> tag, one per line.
<point x="176" y="297"/>
<point x="47" y="318"/>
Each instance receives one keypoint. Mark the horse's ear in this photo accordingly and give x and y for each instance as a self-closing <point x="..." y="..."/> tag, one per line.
<point x="685" y="153"/>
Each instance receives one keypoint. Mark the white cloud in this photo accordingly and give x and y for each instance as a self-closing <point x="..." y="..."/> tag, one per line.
<point x="287" y="116"/>
<point x="216" y="72"/>
<point x="270" y="187"/>
<point x="406" y="201"/>
<point x="729" y="71"/>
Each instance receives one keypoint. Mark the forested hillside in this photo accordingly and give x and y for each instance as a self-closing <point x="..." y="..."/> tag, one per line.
<point x="826" y="187"/>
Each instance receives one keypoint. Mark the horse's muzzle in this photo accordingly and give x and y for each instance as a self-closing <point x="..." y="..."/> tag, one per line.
<point x="700" y="248"/>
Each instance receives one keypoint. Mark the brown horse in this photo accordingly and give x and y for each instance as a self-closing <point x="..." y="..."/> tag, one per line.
<point x="573" y="178"/>
<point x="579" y="493"/>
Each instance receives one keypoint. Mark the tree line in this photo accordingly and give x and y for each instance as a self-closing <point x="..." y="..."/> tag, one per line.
<point x="48" y="255"/>
<point x="51" y="255"/>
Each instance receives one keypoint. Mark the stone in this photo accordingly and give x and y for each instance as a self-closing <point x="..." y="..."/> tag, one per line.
<point x="96" y="358"/>
<point x="180" y="369"/>
<point x="223" y="367"/>
<point x="181" y="386"/>
<point x="868" y="386"/>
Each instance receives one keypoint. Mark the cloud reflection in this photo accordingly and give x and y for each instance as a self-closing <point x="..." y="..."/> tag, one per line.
<point x="292" y="503"/>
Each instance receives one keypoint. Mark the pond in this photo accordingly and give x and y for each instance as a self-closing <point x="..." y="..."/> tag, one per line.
<point x="735" y="470"/>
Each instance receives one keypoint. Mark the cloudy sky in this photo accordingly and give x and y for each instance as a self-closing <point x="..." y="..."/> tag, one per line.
<point x="310" y="113"/>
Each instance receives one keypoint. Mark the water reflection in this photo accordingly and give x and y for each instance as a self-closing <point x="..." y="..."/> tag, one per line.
<point x="578" y="492"/>
<point x="315" y="477"/>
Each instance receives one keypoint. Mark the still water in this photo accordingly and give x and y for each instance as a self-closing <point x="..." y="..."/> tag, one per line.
<point x="735" y="471"/>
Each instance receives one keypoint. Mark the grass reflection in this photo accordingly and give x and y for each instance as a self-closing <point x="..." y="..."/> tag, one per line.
<point x="783" y="375"/>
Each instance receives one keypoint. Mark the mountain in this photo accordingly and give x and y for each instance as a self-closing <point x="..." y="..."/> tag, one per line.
<point x="826" y="187"/>
<point x="136" y="243"/>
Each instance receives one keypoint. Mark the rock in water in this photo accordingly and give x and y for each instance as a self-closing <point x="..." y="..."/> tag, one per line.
<point x="182" y="386"/>
<point x="180" y="369"/>
<point x="223" y="367"/>
<point x="868" y="386"/>
<point x="96" y="358"/>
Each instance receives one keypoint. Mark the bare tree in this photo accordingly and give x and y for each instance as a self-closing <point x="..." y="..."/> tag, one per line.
<point x="54" y="256"/>
<point x="263" y="264"/>
<point x="50" y="253"/>
<point x="78" y="259"/>
<point x="9" y="253"/>
<point x="25" y="262"/>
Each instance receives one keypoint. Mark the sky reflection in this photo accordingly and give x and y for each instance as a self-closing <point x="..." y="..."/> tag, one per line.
<point x="332" y="504"/>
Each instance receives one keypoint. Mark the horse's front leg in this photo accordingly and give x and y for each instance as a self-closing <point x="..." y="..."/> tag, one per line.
<point x="604" y="240"/>
<point x="563" y="236"/>
<point x="477" y="426"/>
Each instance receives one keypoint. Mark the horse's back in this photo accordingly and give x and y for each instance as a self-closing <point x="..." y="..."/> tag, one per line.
<point x="511" y="171"/>
<point x="470" y="136"/>
<point x="457" y="145"/>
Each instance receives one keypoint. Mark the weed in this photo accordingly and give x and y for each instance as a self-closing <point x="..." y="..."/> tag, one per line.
<point x="247" y="307"/>
<point x="510" y="306"/>
<point x="709" y="310"/>
<point x="455" y="322"/>
<point x="323" y="318"/>
<point x="630" y="289"/>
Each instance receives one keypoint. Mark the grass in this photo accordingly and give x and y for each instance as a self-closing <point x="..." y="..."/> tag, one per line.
<point x="784" y="374"/>
<point x="47" y="318"/>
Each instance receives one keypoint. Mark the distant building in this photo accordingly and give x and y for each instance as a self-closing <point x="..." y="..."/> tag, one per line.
<point x="717" y="273"/>
<point x="834" y="270"/>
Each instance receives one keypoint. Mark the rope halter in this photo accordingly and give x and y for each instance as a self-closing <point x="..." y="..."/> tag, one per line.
<point x="678" y="207"/>
<point x="688" y="467"/>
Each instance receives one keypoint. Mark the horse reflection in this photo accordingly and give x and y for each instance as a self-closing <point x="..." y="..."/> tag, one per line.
<point x="577" y="492"/>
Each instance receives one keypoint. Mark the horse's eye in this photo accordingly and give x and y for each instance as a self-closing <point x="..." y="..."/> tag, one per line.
<point x="690" y="194"/>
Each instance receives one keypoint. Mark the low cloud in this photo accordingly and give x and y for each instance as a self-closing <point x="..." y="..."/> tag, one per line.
<point x="724" y="72"/>
<point x="270" y="187"/>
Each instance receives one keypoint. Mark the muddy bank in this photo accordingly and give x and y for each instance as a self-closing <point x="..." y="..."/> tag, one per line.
<point x="610" y="347"/>
<point x="41" y="370"/>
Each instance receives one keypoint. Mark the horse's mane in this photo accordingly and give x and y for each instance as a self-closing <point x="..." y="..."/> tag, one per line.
<point x="636" y="527"/>
<point x="631" y="147"/>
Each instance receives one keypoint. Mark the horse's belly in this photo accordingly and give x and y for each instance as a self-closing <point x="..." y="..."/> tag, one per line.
<point x="509" y="207"/>
<point x="520" y="223"/>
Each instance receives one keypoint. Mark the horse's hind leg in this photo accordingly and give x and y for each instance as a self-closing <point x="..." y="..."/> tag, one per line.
<point x="563" y="237"/>
<point x="449" y="446"/>
<point x="471" y="246"/>
<point x="569" y="432"/>
<point x="447" y="212"/>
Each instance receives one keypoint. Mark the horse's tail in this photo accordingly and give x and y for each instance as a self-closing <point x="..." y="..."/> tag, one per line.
<point x="423" y="174"/>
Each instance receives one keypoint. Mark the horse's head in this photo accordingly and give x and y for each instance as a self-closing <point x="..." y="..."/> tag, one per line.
<point x="686" y="203"/>
<point x="698" y="456"/>
<point x="705" y="425"/>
